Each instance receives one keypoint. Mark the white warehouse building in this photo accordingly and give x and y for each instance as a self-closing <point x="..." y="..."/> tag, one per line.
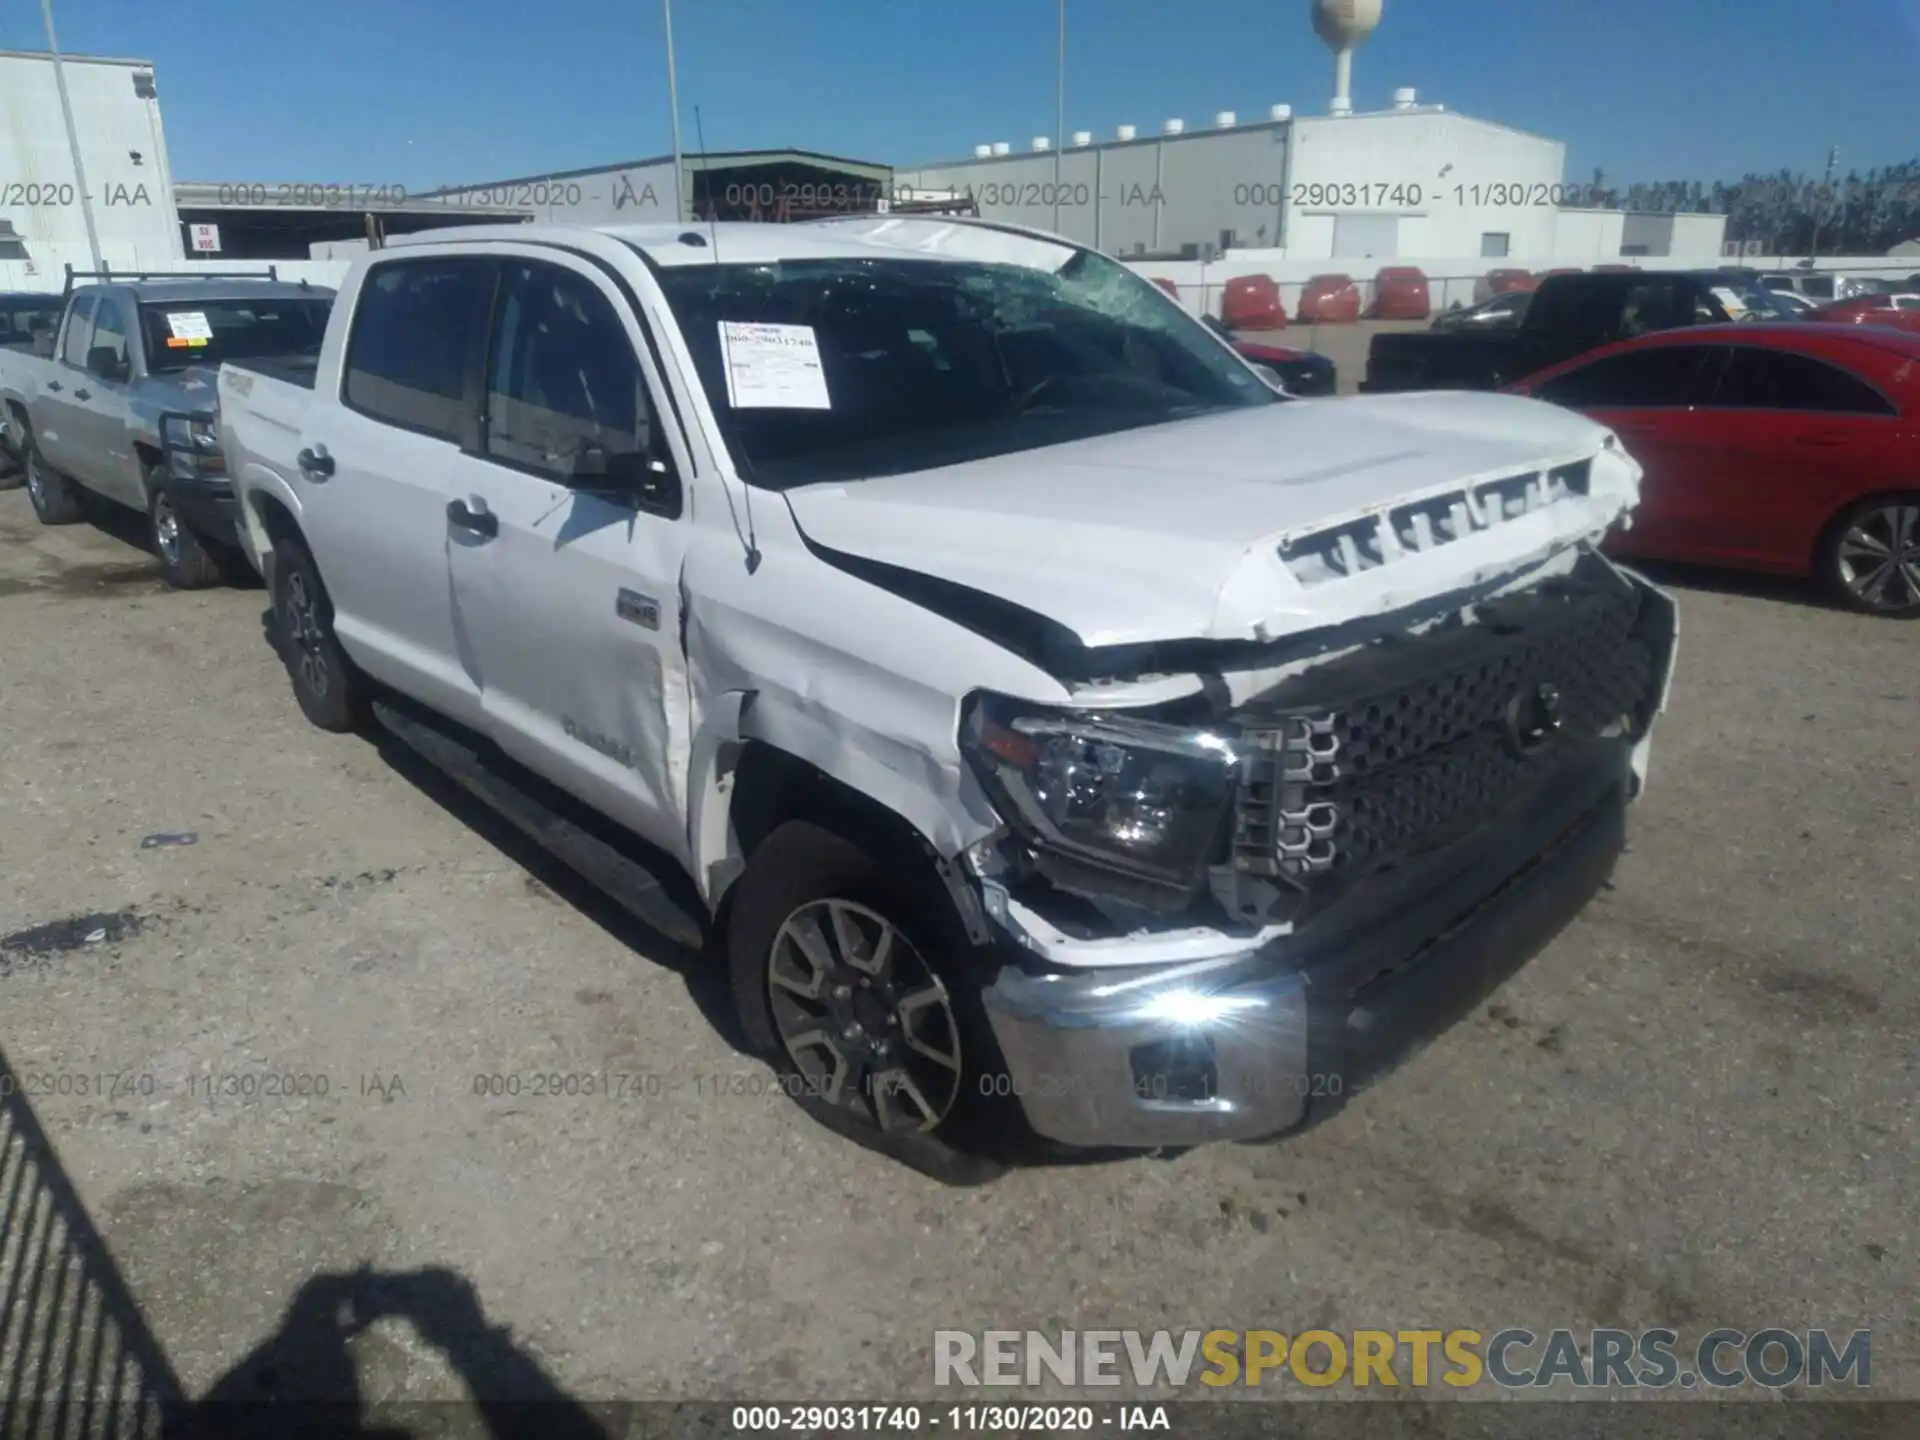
<point x="116" y="119"/>
<point x="1411" y="181"/>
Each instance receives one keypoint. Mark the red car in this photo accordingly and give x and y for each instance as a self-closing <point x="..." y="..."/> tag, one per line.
<point x="1788" y="448"/>
<point x="1900" y="311"/>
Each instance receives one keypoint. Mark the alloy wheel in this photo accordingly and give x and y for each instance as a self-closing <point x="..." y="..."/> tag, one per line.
<point x="166" y="529"/>
<point x="36" y="482"/>
<point x="300" y="623"/>
<point x="867" y="1023"/>
<point x="1879" y="557"/>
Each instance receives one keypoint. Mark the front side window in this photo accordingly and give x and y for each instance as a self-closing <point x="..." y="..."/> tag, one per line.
<point x="565" y="380"/>
<point x="110" y="334"/>
<point x="1665" y="377"/>
<point x="73" y="349"/>
<point x="845" y="368"/>
<point x="1757" y="379"/>
<point x="415" y="351"/>
<point x="183" y="333"/>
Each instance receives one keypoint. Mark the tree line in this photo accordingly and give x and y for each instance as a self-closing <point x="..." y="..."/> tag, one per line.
<point x="1860" y="213"/>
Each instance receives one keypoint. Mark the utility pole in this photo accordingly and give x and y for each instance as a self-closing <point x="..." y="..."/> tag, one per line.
<point x="73" y="137"/>
<point x="1820" y="210"/>
<point x="673" y="101"/>
<point x="1060" y="98"/>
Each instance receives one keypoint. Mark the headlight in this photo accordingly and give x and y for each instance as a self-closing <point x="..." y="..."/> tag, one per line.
<point x="1109" y="804"/>
<point x="192" y="446"/>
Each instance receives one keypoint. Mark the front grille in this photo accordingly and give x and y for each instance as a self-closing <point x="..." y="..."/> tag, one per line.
<point x="1395" y="750"/>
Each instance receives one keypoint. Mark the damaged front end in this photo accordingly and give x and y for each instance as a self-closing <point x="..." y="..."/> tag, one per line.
<point x="1307" y="878"/>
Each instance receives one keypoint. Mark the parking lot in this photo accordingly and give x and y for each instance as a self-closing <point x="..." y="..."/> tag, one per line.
<point x="1695" y="1109"/>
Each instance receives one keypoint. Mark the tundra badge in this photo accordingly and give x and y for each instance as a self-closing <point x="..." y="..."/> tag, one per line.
<point x="640" y="609"/>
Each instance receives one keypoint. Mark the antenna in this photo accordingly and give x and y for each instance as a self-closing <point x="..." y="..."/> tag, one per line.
<point x="726" y="354"/>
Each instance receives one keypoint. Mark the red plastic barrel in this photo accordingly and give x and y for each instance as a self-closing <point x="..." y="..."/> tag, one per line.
<point x="1167" y="285"/>
<point x="1329" y="300"/>
<point x="1252" y="302"/>
<point x="1400" y="293"/>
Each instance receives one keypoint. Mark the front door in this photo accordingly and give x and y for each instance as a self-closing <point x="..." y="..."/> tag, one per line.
<point x="1650" y="397"/>
<point x="566" y="588"/>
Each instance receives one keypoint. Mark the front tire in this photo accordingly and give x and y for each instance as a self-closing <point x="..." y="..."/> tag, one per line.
<point x="1870" y="557"/>
<point x="330" y="690"/>
<point x="849" y="981"/>
<point x="186" y="561"/>
<point x="56" y="499"/>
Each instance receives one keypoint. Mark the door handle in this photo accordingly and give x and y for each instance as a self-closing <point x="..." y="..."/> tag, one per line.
<point x="479" y="522"/>
<point x="83" y="394"/>
<point x="315" y="463"/>
<point x="54" y="385"/>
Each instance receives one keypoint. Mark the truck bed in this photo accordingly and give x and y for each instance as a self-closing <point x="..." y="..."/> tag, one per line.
<point x="293" y="369"/>
<point x="1445" y="360"/>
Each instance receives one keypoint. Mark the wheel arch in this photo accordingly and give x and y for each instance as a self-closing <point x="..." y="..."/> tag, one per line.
<point x="751" y="784"/>
<point x="1831" y="527"/>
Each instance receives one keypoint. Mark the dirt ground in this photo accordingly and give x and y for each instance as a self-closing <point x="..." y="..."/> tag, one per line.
<point x="1695" y="1109"/>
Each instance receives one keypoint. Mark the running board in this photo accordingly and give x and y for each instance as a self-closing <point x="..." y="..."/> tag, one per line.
<point x="628" y="883"/>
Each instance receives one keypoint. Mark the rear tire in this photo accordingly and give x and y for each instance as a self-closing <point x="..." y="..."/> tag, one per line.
<point x="187" y="561"/>
<point x="890" y="1047"/>
<point x="1870" y="557"/>
<point x="331" y="692"/>
<point x="56" y="499"/>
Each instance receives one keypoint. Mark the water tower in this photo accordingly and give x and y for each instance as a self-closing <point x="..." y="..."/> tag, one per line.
<point x="1343" y="24"/>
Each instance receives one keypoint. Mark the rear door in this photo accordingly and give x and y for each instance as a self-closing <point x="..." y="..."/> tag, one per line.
<point x="1796" y="437"/>
<point x="566" y="586"/>
<point x="1650" y="397"/>
<point x="60" y="414"/>
<point x="376" y="469"/>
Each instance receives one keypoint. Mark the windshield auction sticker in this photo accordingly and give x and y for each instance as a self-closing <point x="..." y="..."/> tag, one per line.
<point x="773" y="367"/>
<point x="189" y="328"/>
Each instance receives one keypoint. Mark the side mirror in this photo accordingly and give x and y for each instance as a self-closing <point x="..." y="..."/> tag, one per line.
<point x="105" y="362"/>
<point x="649" y="481"/>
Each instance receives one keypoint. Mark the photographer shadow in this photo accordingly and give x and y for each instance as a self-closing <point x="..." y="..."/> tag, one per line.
<point x="302" y="1382"/>
<point x="78" y="1357"/>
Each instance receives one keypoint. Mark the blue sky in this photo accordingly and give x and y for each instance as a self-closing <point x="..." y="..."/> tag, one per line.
<point x="425" y="92"/>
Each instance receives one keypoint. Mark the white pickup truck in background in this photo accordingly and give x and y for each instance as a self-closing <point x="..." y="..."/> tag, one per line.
<point x="1064" y="734"/>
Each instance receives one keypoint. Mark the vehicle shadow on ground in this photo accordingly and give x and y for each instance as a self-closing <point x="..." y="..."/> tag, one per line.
<point x="1742" y="584"/>
<point x="651" y="906"/>
<point x="77" y="1356"/>
<point x="130" y="527"/>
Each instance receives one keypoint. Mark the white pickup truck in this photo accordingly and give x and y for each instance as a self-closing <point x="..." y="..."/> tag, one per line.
<point x="1068" y="736"/>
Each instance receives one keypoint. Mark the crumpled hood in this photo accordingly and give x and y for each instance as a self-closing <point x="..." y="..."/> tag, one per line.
<point x="1197" y="529"/>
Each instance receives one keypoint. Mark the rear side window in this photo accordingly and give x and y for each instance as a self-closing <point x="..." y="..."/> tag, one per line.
<point x="1757" y="379"/>
<point x="73" y="349"/>
<point x="1663" y="377"/>
<point x="565" y="379"/>
<point x="415" y="351"/>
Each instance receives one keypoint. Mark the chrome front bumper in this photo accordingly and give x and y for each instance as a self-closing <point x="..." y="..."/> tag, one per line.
<point x="1279" y="1038"/>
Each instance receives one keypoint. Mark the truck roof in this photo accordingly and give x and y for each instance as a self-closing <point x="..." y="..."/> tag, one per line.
<point x="218" y="287"/>
<point x="734" y="242"/>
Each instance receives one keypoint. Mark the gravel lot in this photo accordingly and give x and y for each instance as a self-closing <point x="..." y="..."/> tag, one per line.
<point x="1696" y="1109"/>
